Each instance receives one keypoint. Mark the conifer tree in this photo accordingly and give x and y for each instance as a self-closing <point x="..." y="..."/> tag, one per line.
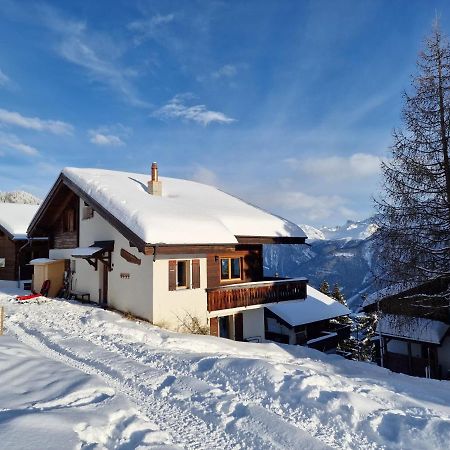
<point x="325" y="288"/>
<point x="414" y="209"/>
<point x="349" y="345"/>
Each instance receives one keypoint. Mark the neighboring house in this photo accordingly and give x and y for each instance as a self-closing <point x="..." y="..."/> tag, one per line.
<point x="170" y="250"/>
<point x="413" y="329"/>
<point x="15" y="249"/>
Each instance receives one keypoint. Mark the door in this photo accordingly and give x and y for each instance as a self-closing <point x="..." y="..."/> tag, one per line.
<point x="238" y="327"/>
<point x="224" y="327"/>
<point x="103" y="284"/>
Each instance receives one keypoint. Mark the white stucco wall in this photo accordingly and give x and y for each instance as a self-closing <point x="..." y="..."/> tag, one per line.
<point x="253" y="323"/>
<point x="146" y="293"/>
<point x="132" y="294"/>
<point x="171" y="306"/>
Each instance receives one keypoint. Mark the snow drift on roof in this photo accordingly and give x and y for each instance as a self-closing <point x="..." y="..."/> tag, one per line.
<point x="187" y="213"/>
<point x="315" y="307"/>
<point x="15" y="218"/>
<point x="38" y="261"/>
<point x="85" y="251"/>
<point x="414" y="328"/>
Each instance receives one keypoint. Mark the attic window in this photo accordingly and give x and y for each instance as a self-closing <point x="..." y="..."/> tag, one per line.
<point x="88" y="212"/>
<point x="230" y="269"/>
<point x="69" y="220"/>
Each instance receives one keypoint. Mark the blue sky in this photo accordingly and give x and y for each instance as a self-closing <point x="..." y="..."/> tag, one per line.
<point x="287" y="104"/>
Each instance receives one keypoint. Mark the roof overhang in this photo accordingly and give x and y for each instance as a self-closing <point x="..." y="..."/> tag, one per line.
<point x="98" y="251"/>
<point x="10" y="236"/>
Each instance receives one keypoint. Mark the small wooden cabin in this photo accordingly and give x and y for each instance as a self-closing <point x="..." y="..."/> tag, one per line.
<point x="414" y="329"/>
<point x="16" y="250"/>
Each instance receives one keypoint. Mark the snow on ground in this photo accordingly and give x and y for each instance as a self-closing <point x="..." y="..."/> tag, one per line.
<point x="79" y="373"/>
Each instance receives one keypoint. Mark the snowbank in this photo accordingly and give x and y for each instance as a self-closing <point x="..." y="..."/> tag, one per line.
<point x="209" y="393"/>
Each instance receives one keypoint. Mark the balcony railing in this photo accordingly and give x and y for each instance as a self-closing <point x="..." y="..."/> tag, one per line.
<point x="256" y="293"/>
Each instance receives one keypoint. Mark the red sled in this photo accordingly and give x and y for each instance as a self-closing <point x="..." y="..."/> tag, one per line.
<point x="27" y="297"/>
<point x="42" y="293"/>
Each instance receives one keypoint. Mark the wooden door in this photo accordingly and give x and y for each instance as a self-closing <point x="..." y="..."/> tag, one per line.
<point x="238" y="327"/>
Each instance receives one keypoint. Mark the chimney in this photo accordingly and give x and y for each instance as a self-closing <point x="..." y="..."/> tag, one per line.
<point x="154" y="185"/>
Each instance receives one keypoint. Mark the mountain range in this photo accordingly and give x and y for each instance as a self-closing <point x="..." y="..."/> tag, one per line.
<point x="344" y="254"/>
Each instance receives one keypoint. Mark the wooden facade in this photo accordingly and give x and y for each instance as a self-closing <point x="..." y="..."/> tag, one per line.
<point x="64" y="233"/>
<point x="8" y="251"/>
<point x="17" y="254"/>
<point x="252" y="264"/>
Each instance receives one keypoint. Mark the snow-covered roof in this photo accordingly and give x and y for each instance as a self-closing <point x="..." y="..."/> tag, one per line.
<point x="187" y="212"/>
<point x="15" y="218"/>
<point x="85" y="251"/>
<point x="315" y="307"/>
<point x="385" y="292"/>
<point x="38" y="261"/>
<point x="413" y="328"/>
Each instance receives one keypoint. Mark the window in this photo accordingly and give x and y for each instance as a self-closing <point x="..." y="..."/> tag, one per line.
<point x="182" y="274"/>
<point x="69" y="220"/>
<point x="230" y="268"/>
<point x="88" y="212"/>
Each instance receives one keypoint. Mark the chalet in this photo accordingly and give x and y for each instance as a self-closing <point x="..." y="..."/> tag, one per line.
<point x="414" y="329"/>
<point x="169" y="250"/>
<point x="15" y="248"/>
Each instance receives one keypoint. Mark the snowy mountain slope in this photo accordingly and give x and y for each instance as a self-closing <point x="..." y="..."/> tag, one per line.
<point x="361" y="229"/>
<point x="206" y="393"/>
<point x="19" y="197"/>
<point x="345" y="255"/>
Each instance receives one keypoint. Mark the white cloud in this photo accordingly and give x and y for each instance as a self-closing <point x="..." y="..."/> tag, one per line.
<point x="111" y="135"/>
<point x="95" y="52"/>
<point x="11" y="141"/>
<point x="34" y="123"/>
<point x="226" y="71"/>
<point x="309" y="207"/>
<point x="149" y="27"/>
<point x="4" y="79"/>
<point x="176" y="109"/>
<point x="204" y="175"/>
<point x="338" y="168"/>
<point x="105" y="139"/>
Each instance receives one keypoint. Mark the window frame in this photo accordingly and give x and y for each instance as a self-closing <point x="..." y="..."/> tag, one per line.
<point x="230" y="258"/>
<point x="187" y="274"/>
<point x="69" y="220"/>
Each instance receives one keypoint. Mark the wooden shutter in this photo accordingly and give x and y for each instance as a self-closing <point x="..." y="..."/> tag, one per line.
<point x="238" y="327"/>
<point x="214" y="326"/>
<point x="195" y="273"/>
<point x="172" y="275"/>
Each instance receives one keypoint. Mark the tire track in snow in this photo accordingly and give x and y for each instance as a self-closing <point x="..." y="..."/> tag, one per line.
<point x="184" y="428"/>
<point x="253" y="424"/>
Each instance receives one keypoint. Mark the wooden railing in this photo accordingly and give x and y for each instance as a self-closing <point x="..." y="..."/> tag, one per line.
<point x="248" y="294"/>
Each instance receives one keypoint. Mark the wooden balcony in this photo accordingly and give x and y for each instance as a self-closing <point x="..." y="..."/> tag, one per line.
<point x="256" y="293"/>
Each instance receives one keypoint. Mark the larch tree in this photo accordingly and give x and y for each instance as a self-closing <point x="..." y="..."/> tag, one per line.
<point x="414" y="208"/>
